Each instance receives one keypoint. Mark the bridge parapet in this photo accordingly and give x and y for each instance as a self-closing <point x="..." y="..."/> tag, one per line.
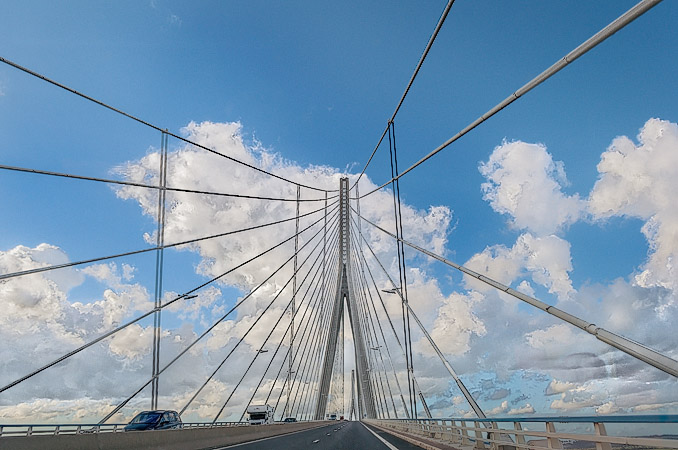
<point x="531" y="433"/>
<point x="18" y="430"/>
<point x="112" y="436"/>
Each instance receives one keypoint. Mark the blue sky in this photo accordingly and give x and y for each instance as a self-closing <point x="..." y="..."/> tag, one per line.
<point x="315" y="83"/>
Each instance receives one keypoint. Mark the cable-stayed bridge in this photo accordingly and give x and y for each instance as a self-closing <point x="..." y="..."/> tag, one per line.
<point x="329" y="295"/>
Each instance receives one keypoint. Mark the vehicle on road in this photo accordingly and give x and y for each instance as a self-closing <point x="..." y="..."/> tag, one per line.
<point x="155" y="420"/>
<point x="333" y="417"/>
<point x="290" y="419"/>
<point x="260" y="414"/>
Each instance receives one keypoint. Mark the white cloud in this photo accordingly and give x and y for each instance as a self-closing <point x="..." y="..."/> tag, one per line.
<point x="526" y="409"/>
<point x="126" y="356"/>
<point x="476" y="327"/>
<point x="120" y="299"/>
<point x="570" y="404"/>
<point x="456" y="323"/>
<point x="559" y="387"/>
<point x="641" y="181"/>
<point x="132" y="343"/>
<point x="552" y="337"/>
<point x="608" y="408"/>
<point x="499" y="409"/>
<point x="45" y="410"/>
<point x="524" y="182"/>
<point x="654" y="406"/>
<point x="546" y="259"/>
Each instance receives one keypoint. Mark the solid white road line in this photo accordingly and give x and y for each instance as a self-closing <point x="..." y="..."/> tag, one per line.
<point x="268" y="438"/>
<point x="385" y="442"/>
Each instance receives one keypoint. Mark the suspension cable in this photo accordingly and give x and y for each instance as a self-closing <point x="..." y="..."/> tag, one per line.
<point x="282" y="365"/>
<point x="155" y="127"/>
<point x="122" y="327"/>
<point x="469" y="398"/>
<point x="361" y="257"/>
<point x="415" y="384"/>
<point x="373" y="345"/>
<point x="282" y="339"/>
<point x="274" y="355"/>
<point x="404" y="281"/>
<point x="322" y="344"/>
<point x="150" y="249"/>
<point x="635" y="349"/>
<point x="151" y="186"/>
<point x="290" y="303"/>
<point x="443" y="16"/>
<point x="290" y="381"/>
<point x="124" y="402"/>
<point x="582" y="49"/>
<point x="315" y="328"/>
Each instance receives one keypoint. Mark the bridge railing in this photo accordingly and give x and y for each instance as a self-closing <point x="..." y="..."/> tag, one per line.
<point x="57" y="429"/>
<point x="216" y="424"/>
<point x="535" y="433"/>
<point x="17" y="430"/>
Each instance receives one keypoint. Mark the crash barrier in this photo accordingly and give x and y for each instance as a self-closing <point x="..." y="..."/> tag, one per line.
<point x="69" y="428"/>
<point x="541" y="432"/>
<point x="112" y="437"/>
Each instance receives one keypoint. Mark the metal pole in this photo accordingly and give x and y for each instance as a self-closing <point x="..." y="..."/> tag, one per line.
<point x="294" y="294"/>
<point x="159" y="263"/>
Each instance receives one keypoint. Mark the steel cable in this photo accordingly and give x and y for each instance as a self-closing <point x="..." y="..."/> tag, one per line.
<point x="582" y="49"/>
<point x="148" y="124"/>
<point x="432" y="39"/>
<point x="122" y="404"/>
<point x="136" y="252"/>
<point x="122" y="327"/>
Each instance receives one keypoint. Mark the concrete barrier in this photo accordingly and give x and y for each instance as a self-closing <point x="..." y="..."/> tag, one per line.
<point x="188" y="439"/>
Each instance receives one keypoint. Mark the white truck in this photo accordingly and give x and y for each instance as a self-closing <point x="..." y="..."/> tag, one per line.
<point x="260" y="414"/>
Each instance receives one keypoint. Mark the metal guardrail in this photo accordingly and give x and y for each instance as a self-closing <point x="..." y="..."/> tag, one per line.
<point x="57" y="429"/>
<point x="23" y="430"/>
<point x="522" y="433"/>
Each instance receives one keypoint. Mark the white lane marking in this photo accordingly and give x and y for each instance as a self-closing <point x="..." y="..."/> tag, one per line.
<point x="383" y="441"/>
<point x="268" y="438"/>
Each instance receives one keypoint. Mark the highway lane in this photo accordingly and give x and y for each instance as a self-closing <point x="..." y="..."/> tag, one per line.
<point x="339" y="436"/>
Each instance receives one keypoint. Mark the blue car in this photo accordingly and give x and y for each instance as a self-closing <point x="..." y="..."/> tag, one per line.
<point x="155" y="420"/>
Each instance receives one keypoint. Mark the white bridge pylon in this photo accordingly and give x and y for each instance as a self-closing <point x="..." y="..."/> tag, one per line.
<point x="344" y="296"/>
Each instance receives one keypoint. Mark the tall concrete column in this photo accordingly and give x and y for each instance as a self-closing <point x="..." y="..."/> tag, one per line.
<point x="344" y="294"/>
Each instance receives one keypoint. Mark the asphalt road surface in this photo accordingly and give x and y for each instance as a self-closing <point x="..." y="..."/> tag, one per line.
<point x="339" y="436"/>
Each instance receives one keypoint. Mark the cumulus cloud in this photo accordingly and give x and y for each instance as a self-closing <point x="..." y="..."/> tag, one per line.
<point x="608" y="408"/>
<point x="456" y="323"/>
<point x="559" y="387"/>
<point x="526" y="409"/>
<point x="51" y="317"/>
<point x="524" y="182"/>
<point x="568" y="404"/>
<point x="499" y="409"/>
<point x="132" y="343"/>
<point x="641" y="180"/>
<point x="474" y="326"/>
<point x="546" y="260"/>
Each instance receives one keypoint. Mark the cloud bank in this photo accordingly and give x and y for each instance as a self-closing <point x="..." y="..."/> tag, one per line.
<point x="517" y="361"/>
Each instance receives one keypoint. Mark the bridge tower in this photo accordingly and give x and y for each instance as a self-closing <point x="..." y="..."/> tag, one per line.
<point x="344" y="296"/>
